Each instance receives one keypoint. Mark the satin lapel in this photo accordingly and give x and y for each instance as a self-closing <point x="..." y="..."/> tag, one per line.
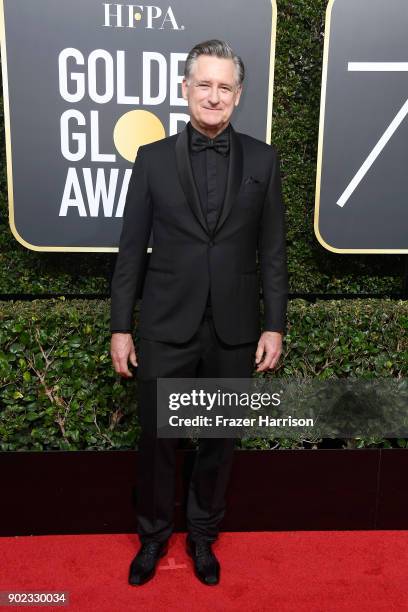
<point x="185" y="173"/>
<point x="234" y="177"/>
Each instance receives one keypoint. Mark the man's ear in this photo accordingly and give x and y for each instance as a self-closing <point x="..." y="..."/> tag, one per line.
<point x="238" y="97"/>
<point x="184" y="88"/>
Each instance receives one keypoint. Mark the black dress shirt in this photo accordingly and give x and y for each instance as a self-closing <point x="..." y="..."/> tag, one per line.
<point x="210" y="171"/>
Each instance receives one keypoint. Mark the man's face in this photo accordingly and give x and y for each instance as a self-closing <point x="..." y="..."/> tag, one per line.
<point x="212" y="92"/>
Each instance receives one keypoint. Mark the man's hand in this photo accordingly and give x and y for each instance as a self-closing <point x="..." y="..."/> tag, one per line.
<point x="122" y="351"/>
<point x="268" y="351"/>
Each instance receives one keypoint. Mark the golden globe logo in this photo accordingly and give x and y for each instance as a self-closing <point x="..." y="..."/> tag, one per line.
<point x="138" y="15"/>
<point x="92" y="140"/>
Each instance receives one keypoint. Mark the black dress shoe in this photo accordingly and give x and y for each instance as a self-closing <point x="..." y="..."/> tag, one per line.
<point x="206" y="565"/>
<point x="143" y="566"/>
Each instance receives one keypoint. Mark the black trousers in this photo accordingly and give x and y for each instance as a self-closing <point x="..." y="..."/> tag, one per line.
<point x="205" y="356"/>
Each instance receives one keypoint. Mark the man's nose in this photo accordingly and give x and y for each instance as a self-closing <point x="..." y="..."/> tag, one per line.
<point x="214" y="97"/>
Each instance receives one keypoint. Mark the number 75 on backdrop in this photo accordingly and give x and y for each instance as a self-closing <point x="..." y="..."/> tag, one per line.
<point x="362" y="172"/>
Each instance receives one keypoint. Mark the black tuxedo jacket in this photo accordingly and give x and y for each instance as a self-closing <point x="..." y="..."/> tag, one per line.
<point x="187" y="260"/>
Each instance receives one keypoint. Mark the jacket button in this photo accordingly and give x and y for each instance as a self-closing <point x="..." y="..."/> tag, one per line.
<point x="211" y="243"/>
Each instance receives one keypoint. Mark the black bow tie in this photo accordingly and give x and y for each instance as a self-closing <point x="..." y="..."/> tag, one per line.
<point x="221" y="144"/>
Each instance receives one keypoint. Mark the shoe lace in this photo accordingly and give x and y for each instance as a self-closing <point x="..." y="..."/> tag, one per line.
<point x="203" y="549"/>
<point x="150" y="549"/>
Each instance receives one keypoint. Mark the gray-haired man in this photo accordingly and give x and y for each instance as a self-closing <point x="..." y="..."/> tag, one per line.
<point x="213" y="199"/>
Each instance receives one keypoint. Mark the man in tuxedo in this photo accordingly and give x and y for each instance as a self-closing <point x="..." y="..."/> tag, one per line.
<point x="212" y="198"/>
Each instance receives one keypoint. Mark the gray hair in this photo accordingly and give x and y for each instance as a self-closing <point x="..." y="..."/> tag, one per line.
<point x="215" y="48"/>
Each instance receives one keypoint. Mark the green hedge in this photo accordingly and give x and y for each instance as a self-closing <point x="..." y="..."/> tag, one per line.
<point x="58" y="389"/>
<point x="298" y="65"/>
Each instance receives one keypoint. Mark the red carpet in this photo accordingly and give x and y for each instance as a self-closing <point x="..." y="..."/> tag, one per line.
<point x="320" y="571"/>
